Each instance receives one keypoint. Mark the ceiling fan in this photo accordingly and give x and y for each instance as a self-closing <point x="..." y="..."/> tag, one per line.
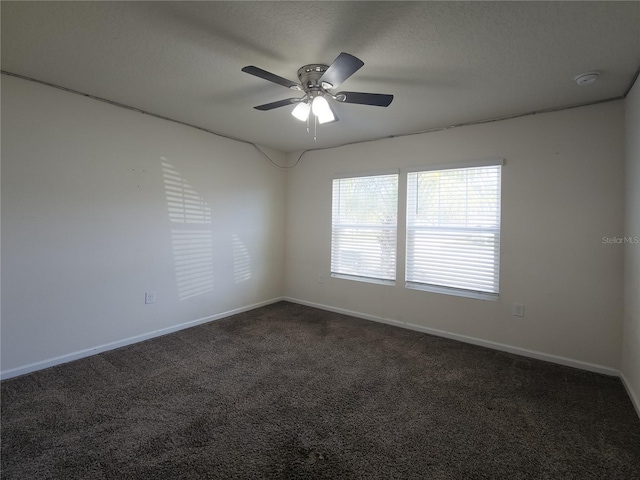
<point x="316" y="81"/>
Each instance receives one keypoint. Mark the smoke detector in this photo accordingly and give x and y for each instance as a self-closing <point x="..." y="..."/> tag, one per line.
<point x="587" y="78"/>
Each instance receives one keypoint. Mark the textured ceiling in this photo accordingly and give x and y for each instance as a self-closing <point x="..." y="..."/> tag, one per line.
<point x="445" y="62"/>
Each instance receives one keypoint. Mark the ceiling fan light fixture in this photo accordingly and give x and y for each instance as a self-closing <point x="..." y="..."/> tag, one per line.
<point x="321" y="109"/>
<point x="301" y="112"/>
<point x="329" y="117"/>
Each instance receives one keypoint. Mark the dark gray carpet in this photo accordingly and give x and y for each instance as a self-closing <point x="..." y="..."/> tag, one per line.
<point x="292" y="392"/>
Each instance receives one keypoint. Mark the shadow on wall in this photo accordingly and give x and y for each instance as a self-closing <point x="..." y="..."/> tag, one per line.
<point x="192" y="243"/>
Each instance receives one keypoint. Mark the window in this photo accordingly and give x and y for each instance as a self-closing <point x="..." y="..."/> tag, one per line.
<point x="453" y="230"/>
<point x="364" y="228"/>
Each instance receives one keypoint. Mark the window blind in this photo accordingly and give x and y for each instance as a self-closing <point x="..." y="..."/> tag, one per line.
<point x="364" y="227"/>
<point x="453" y="229"/>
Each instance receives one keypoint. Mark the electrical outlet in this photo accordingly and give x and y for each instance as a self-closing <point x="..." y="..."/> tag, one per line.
<point x="518" y="310"/>
<point x="320" y="278"/>
<point x="150" y="297"/>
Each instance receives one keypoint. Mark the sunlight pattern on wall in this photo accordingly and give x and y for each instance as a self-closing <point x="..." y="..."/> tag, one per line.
<point x="192" y="244"/>
<point x="193" y="259"/>
<point x="183" y="202"/>
<point x="241" y="261"/>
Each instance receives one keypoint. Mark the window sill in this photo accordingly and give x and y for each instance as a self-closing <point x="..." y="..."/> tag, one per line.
<point x="378" y="281"/>
<point x="458" y="292"/>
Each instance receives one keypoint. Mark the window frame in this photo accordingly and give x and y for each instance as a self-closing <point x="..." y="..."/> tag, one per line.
<point x="359" y="278"/>
<point x="442" y="289"/>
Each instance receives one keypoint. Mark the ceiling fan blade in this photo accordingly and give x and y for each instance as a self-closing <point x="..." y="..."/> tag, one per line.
<point x="342" y="68"/>
<point x="271" y="77"/>
<point x="279" y="103"/>
<point x="375" y="99"/>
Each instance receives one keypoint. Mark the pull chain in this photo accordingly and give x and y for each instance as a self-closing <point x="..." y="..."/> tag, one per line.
<point x="315" y="128"/>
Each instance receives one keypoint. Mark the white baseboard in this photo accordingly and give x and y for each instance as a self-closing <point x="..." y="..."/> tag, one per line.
<point x="32" y="367"/>
<point x="632" y="395"/>
<point x="569" y="362"/>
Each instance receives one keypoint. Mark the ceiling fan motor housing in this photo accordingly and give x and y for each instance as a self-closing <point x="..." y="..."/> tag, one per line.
<point x="309" y="76"/>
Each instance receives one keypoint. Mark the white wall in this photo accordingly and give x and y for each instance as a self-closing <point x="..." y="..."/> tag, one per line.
<point x="87" y="225"/>
<point x="562" y="192"/>
<point x="631" y="326"/>
<point x="86" y="229"/>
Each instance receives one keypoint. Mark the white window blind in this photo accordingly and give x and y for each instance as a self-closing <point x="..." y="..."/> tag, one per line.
<point x="453" y="230"/>
<point x="364" y="227"/>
